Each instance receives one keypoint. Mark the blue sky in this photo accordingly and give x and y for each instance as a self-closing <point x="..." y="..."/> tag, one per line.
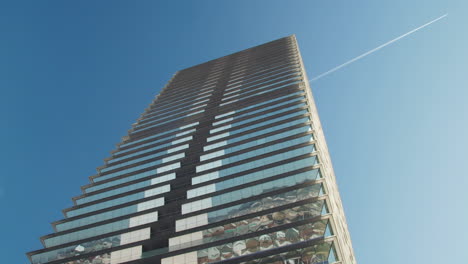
<point x="75" y="74"/>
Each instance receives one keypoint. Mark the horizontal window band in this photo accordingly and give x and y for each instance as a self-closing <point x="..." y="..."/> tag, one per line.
<point x="266" y="87"/>
<point x="256" y="150"/>
<point x="246" y="84"/>
<point x="260" y="113"/>
<point x="243" y="237"/>
<point x="154" y="181"/>
<point x="160" y="108"/>
<point x="309" y="163"/>
<point x="140" y="166"/>
<point x="164" y="127"/>
<point x="322" y="198"/>
<point x="268" y="94"/>
<point x="117" y="200"/>
<point x="169" y="144"/>
<point x="255" y="105"/>
<point x="229" y="231"/>
<point x="259" y="133"/>
<point x="248" y="190"/>
<point x="97" y="224"/>
<point x="164" y="108"/>
<point x="254" y="71"/>
<point x="108" y="216"/>
<point x="176" y="113"/>
<point x="303" y="110"/>
<point x="171" y="130"/>
<point x="263" y="66"/>
<point x="260" y="196"/>
<point x="279" y="66"/>
<point x="129" y="180"/>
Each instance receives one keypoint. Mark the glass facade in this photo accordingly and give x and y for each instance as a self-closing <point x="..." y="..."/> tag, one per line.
<point x="227" y="165"/>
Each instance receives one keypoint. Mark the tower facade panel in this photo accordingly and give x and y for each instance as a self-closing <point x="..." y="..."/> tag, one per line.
<point x="228" y="164"/>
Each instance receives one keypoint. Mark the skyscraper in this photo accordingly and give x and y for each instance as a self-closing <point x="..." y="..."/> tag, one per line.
<point x="228" y="164"/>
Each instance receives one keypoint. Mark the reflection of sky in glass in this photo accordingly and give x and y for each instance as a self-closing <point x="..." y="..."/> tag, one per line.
<point x="267" y="202"/>
<point x="263" y="242"/>
<point x="83" y="248"/>
<point x="317" y="254"/>
<point x="258" y="223"/>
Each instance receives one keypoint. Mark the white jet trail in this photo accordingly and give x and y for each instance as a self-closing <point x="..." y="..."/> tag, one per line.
<point x="375" y="49"/>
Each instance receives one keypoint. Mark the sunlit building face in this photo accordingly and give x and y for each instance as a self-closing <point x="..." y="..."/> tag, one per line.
<point x="228" y="164"/>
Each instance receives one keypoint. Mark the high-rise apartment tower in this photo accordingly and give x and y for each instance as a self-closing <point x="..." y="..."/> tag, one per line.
<point x="227" y="165"/>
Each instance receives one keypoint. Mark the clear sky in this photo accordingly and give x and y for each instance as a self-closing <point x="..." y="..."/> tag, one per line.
<point x="75" y="74"/>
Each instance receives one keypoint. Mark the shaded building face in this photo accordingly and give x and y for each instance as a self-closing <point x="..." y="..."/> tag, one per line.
<point x="227" y="165"/>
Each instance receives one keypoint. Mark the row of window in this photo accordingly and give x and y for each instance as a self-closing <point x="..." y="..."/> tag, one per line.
<point x="249" y="191"/>
<point x="254" y="84"/>
<point x="181" y="83"/>
<point x="275" y="70"/>
<point x="140" y="167"/>
<point x="166" y="106"/>
<point x="255" y="153"/>
<point x="257" y="125"/>
<point x="123" y="189"/>
<point x="101" y="229"/>
<point x="159" y="146"/>
<point x="267" y="89"/>
<point x="174" y="110"/>
<point x="321" y="253"/>
<point x="251" y="177"/>
<point x="120" y="200"/>
<point x="76" y="250"/>
<point x="151" y="156"/>
<point x="110" y="214"/>
<point x="265" y="115"/>
<point x="92" y="246"/>
<point x="184" y="108"/>
<point x="160" y="134"/>
<point x="252" y="206"/>
<point x="166" y="122"/>
<point x="254" y="76"/>
<point x="257" y="105"/>
<point x="244" y="113"/>
<point x="163" y="107"/>
<point x="187" y="112"/>
<point x="258" y="133"/>
<point x="225" y="114"/>
<point x="166" y="118"/>
<point x="255" y="164"/>
<point x="263" y="242"/>
<point x="253" y="143"/>
<point x="177" y="111"/>
<point x="268" y="64"/>
<point x="153" y="142"/>
<point x="159" y="179"/>
<point x="162" y="104"/>
<point x="250" y="225"/>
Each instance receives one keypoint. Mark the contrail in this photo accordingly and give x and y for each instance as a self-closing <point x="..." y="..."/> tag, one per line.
<point x="375" y="49"/>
